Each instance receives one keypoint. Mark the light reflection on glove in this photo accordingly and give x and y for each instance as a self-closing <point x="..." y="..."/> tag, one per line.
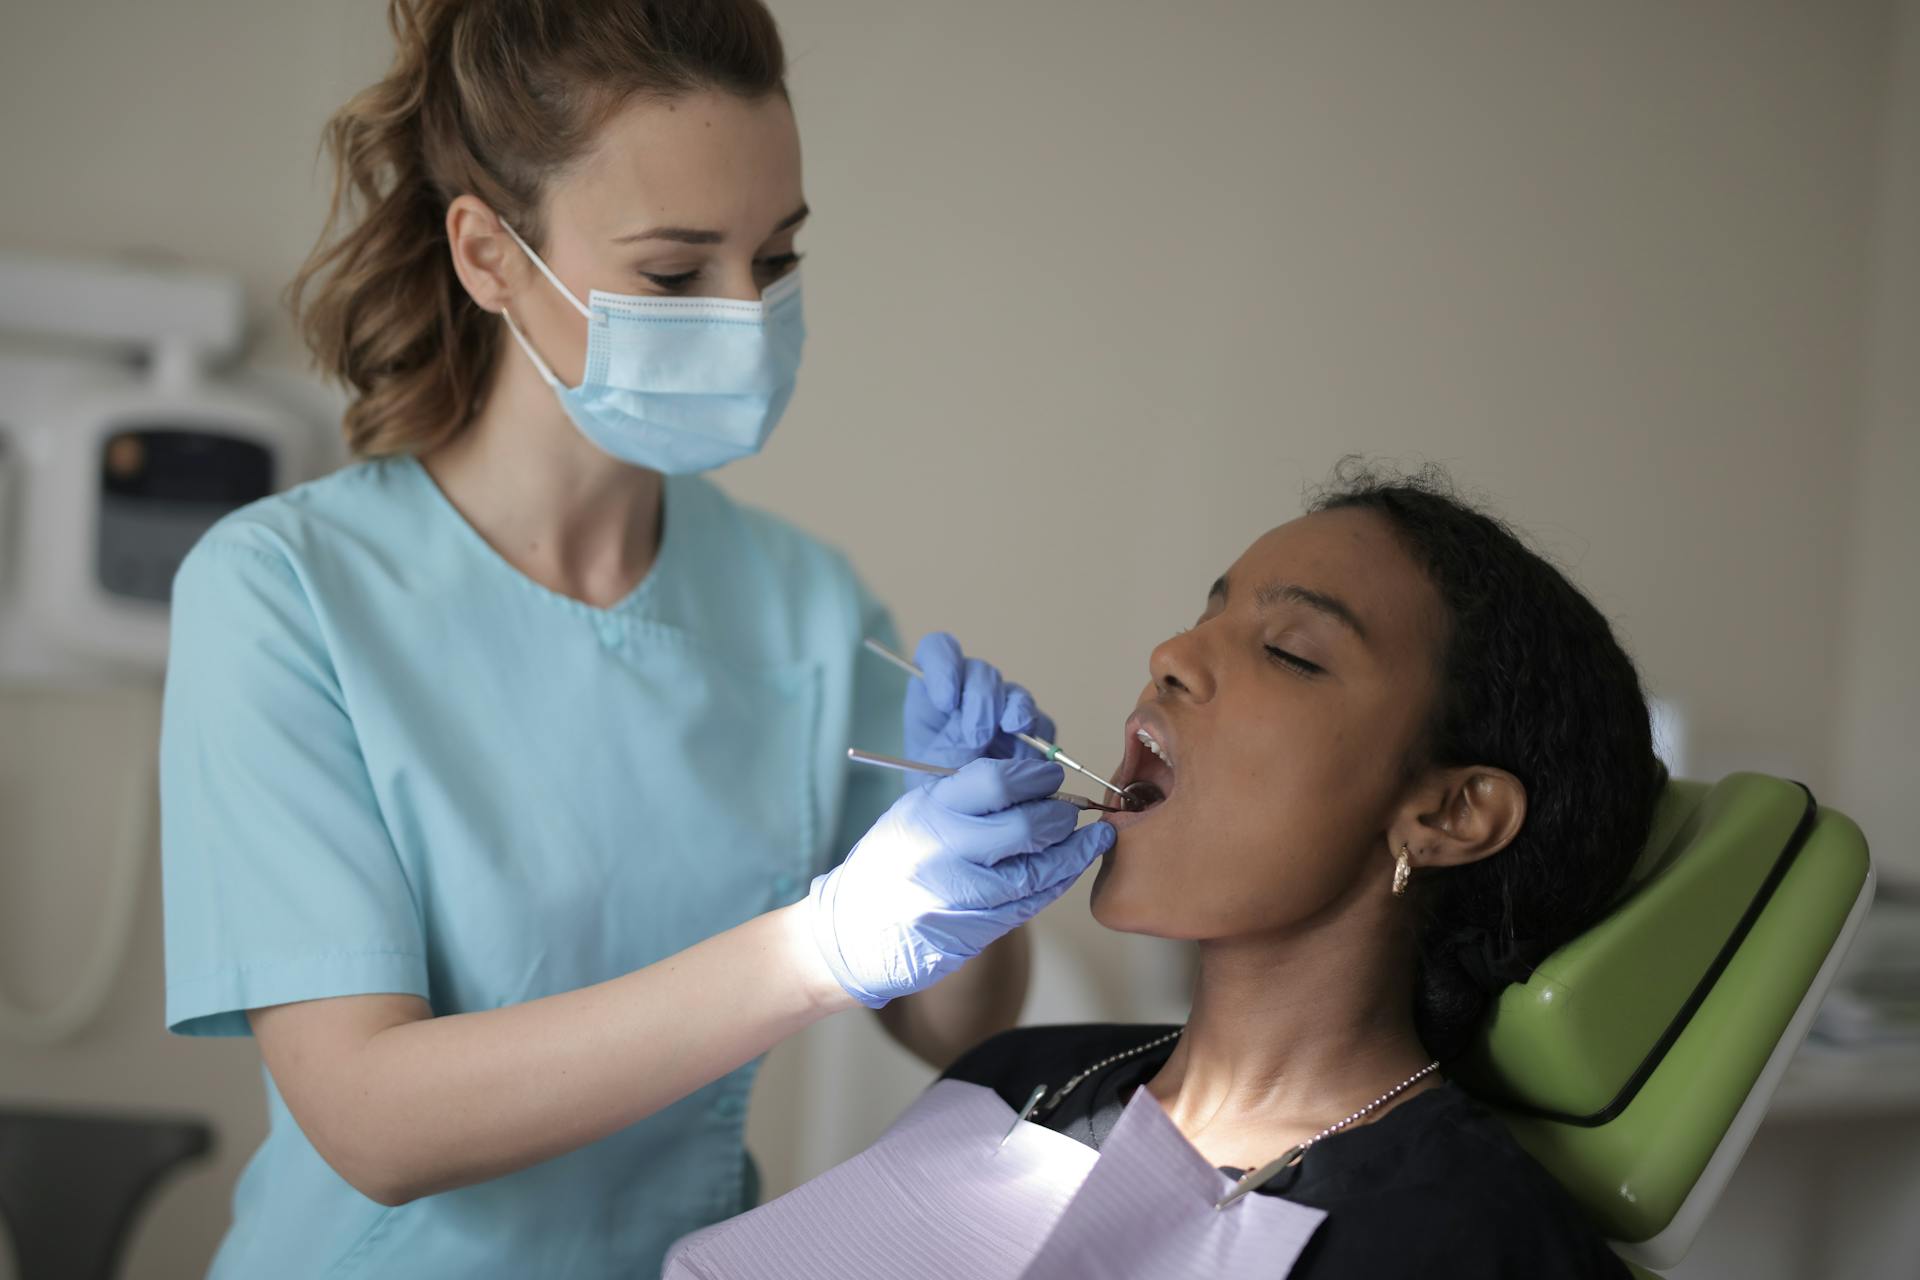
<point x="945" y="872"/>
<point x="963" y="709"/>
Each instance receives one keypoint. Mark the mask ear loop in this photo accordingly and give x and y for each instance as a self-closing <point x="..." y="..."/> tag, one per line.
<point x="546" y="372"/>
<point x="546" y="271"/>
<point x="547" y="375"/>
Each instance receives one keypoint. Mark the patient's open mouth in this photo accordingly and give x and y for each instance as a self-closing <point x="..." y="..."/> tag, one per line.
<point x="1146" y="771"/>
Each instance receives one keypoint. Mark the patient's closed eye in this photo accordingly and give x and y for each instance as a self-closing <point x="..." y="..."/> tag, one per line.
<point x="1294" y="661"/>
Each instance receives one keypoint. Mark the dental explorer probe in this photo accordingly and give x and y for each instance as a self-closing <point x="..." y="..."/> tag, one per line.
<point x="858" y="756"/>
<point x="1039" y="744"/>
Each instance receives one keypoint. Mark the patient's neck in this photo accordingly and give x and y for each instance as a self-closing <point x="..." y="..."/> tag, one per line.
<point x="1289" y="1035"/>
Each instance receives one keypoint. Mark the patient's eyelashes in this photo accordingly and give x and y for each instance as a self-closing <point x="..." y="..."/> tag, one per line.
<point x="1294" y="661"/>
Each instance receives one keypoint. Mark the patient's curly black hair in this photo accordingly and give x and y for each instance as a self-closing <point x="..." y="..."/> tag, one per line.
<point x="1533" y="681"/>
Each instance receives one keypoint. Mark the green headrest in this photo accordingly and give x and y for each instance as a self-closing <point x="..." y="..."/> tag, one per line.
<point x="1621" y="1063"/>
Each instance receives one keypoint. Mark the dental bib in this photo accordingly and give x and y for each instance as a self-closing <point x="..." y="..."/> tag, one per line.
<point x="940" y="1198"/>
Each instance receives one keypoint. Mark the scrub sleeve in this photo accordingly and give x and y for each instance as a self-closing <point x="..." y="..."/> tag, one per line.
<point x="292" y="890"/>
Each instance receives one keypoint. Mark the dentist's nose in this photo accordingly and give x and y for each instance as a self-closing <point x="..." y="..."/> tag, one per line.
<point x="734" y="281"/>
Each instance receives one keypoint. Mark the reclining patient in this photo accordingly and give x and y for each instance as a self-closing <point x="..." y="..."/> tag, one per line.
<point x="1398" y="757"/>
<point x="1401" y="756"/>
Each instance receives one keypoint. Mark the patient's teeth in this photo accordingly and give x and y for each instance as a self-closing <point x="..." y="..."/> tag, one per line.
<point x="1146" y="740"/>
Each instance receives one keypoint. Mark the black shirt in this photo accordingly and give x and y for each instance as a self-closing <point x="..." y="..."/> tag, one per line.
<point x="1434" y="1188"/>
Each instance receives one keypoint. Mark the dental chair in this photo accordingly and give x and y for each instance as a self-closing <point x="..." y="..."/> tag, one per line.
<point x="72" y="1184"/>
<point x="1638" y="1060"/>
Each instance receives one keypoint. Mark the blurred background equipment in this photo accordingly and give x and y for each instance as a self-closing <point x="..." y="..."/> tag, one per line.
<point x="120" y="444"/>
<point x="1876" y="1004"/>
<point x="119" y="455"/>
<point x="70" y="1185"/>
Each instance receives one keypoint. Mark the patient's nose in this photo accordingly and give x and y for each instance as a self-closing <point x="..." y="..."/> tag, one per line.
<point x="1179" y="668"/>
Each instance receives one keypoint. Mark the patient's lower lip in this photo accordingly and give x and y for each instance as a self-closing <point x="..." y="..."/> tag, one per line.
<point x="1121" y="821"/>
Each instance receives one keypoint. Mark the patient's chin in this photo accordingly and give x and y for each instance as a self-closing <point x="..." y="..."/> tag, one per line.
<point x="1119" y="906"/>
<point x="1100" y="901"/>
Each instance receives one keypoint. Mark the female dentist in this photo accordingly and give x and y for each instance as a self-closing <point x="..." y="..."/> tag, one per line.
<point x="496" y="767"/>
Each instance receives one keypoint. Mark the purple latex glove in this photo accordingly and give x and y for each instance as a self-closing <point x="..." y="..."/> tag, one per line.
<point x="946" y="872"/>
<point x="962" y="710"/>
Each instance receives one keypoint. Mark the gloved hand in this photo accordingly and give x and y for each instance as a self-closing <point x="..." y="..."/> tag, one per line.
<point x="946" y="871"/>
<point x="963" y="709"/>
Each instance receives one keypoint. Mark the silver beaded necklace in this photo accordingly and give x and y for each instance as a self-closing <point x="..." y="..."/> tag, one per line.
<point x="1257" y="1178"/>
<point x="1060" y="1094"/>
<point x="1260" y="1177"/>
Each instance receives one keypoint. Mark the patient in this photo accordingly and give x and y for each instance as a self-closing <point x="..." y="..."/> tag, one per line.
<point x="1398" y="758"/>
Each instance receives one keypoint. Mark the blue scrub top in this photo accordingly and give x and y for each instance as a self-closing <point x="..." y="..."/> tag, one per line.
<point x="391" y="762"/>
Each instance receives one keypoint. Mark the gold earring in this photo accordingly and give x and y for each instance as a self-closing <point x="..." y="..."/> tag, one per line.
<point x="1402" y="872"/>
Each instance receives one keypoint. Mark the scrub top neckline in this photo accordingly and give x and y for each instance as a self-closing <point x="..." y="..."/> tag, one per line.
<point x="669" y="505"/>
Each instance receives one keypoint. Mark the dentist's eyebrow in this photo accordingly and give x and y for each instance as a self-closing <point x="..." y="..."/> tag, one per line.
<point x="793" y="219"/>
<point x="1277" y="592"/>
<point x="689" y="235"/>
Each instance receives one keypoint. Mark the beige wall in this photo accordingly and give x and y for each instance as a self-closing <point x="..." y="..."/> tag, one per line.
<point x="1877" y="731"/>
<point x="1097" y="288"/>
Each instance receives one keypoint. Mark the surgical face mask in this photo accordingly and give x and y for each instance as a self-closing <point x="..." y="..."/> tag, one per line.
<point x="679" y="384"/>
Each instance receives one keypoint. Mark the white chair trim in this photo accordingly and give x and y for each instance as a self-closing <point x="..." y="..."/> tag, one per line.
<point x="1667" y="1248"/>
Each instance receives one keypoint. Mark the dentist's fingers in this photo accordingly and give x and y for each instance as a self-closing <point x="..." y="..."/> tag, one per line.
<point x="1043" y="876"/>
<point x="1023" y="715"/>
<point x="982" y="702"/>
<point x="988" y="786"/>
<point x="940" y="660"/>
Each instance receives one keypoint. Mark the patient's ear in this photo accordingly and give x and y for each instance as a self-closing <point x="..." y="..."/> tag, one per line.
<point x="1460" y="816"/>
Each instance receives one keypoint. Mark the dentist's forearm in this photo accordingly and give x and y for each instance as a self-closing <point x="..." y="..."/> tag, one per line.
<point x="982" y="999"/>
<point x="403" y="1104"/>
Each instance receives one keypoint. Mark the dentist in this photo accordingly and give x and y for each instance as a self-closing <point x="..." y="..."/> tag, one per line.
<point x="503" y="779"/>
